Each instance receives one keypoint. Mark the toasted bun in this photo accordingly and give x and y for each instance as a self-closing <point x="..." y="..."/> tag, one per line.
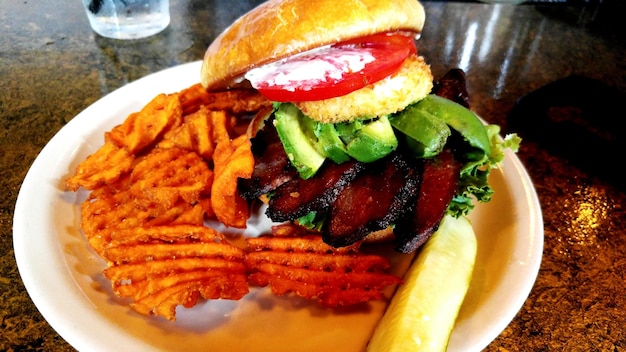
<point x="280" y="28"/>
<point x="384" y="235"/>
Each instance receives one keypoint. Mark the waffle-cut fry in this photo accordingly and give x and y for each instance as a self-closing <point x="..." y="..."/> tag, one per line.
<point x="123" y="209"/>
<point x="310" y="243"/>
<point x="194" y="134"/>
<point x="328" y="279"/>
<point x="111" y="189"/>
<point x="164" y="175"/>
<point x="151" y="190"/>
<point x="235" y="100"/>
<point x="161" y="295"/>
<point x="123" y="254"/>
<point x="143" y="128"/>
<point x="331" y="297"/>
<point x="337" y="263"/>
<point x="165" y="187"/>
<point x="162" y="267"/>
<point x="204" y="204"/>
<point x="155" y="269"/>
<point x="104" y="166"/>
<point x="200" y="129"/>
<point x="221" y="127"/>
<point x="194" y="215"/>
<point x="232" y="160"/>
<point x="142" y="289"/>
<point x="172" y="234"/>
<point x="164" y="302"/>
<point x="311" y="269"/>
<point x="99" y="215"/>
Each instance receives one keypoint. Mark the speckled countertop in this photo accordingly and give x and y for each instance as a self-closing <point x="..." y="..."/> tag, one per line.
<point x="52" y="67"/>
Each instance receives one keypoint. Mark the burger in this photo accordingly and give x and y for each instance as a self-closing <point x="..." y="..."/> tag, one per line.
<point x="356" y="145"/>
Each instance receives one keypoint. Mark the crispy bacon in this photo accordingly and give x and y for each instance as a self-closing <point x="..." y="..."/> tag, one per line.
<point x="439" y="184"/>
<point x="373" y="201"/>
<point x="271" y="164"/>
<point x="298" y="197"/>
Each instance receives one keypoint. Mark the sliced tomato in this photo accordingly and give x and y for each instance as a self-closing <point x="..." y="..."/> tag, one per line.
<point x="382" y="40"/>
<point x="333" y="71"/>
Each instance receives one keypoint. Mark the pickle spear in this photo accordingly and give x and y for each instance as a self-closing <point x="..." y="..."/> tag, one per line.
<point x="422" y="312"/>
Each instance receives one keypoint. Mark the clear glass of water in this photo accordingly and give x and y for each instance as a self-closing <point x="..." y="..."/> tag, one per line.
<point x="127" y="19"/>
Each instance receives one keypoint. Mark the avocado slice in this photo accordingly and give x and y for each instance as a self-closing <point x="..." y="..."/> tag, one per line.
<point x="373" y="141"/>
<point x="459" y="118"/>
<point x="348" y="130"/>
<point x="425" y="134"/>
<point x="295" y="131"/>
<point x="330" y="143"/>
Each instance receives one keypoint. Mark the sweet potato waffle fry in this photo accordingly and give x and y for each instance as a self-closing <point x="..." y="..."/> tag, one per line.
<point x="233" y="159"/>
<point x="92" y="173"/>
<point x="167" y="169"/>
<point x="165" y="186"/>
<point x="143" y="128"/>
<point x="151" y="185"/>
<point x="166" y="266"/>
<point x="309" y="268"/>
<point x="234" y="101"/>
<point x="195" y="133"/>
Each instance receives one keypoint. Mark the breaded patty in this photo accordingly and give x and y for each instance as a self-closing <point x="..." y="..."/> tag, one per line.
<point x="392" y="94"/>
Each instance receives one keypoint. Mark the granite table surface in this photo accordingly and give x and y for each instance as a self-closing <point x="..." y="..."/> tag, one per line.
<point x="570" y="55"/>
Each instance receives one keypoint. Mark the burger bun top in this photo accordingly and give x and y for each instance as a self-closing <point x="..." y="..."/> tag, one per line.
<point x="280" y="28"/>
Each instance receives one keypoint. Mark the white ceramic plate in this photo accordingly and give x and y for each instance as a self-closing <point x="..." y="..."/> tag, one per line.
<point x="63" y="276"/>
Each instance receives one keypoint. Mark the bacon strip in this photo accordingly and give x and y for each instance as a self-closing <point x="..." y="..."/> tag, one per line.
<point x="271" y="164"/>
<point x="372" y="202"/>
<point x="298" y="197"/>
<point x="439" y="184"/>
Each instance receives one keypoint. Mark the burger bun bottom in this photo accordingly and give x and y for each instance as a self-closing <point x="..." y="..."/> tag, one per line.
<point x="384" y="235"/>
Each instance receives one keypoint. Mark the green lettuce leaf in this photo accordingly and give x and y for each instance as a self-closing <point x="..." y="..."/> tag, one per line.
<point x="473" y="183"/>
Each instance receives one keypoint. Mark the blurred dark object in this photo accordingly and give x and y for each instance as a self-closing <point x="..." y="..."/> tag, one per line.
<point x="452" y="86"/>
<point x="95" y="6"/>
<point x="580" y="118"/>
<point x="603" y="17"/>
